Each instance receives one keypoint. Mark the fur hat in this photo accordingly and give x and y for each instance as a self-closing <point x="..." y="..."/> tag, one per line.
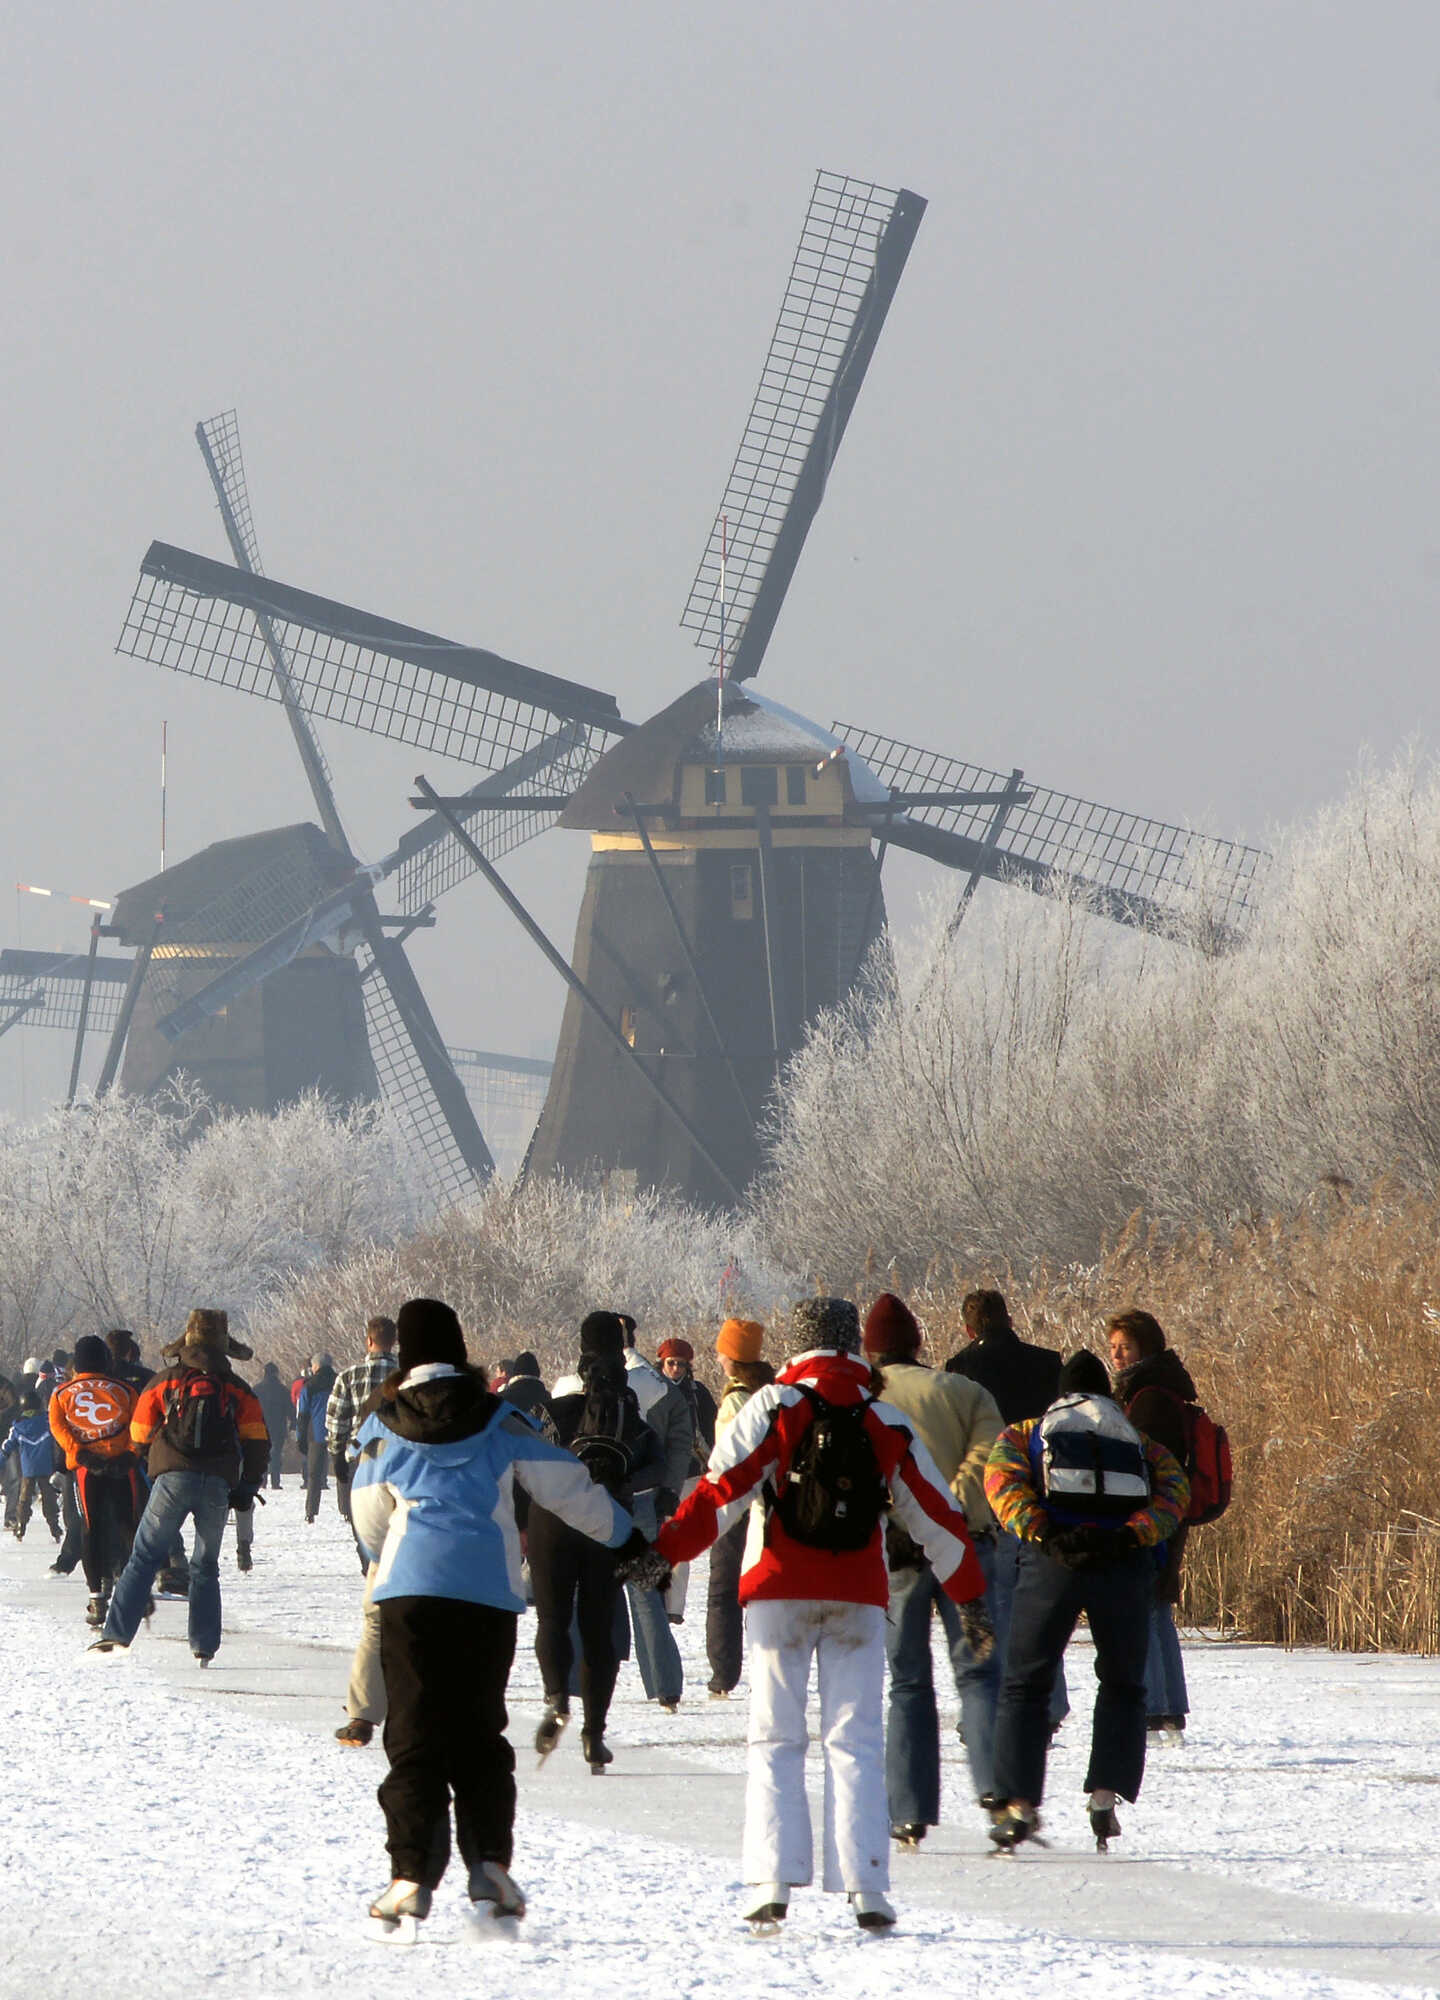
<point x="891" y="1327"/>
<point x="525" y="1363"/>
<point x="740" y="1340"/>
<point x="92" y="1356"/>
<point x="824" y="1322"/>
<point x="602" y="1334"/>
<point x="429" y="1331"/>
<point x="674" y="1349"/>
<point x="1084" y="1374"/>
<point x="207" y="1333"/>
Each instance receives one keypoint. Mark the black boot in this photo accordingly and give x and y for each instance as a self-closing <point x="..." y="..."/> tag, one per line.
<point x="596" y="1751"/>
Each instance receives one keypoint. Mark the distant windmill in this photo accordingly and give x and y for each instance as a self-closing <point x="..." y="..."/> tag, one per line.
<point x="734" y="886"/>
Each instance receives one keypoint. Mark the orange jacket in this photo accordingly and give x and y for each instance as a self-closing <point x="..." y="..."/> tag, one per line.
<point x="246" y="1460"/>
<point x="91" y="1413"/>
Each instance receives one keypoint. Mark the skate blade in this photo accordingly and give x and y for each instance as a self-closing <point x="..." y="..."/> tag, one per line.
<point x="761" y="1928"/>
<point x="487" y="1923"/>
<point x="392" y="1930"/>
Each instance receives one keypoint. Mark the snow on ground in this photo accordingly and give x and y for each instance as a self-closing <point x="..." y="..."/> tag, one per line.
<point x="168" y="1829"/>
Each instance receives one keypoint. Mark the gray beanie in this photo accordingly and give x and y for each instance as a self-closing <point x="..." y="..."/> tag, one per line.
<point x="824" y="1323"/>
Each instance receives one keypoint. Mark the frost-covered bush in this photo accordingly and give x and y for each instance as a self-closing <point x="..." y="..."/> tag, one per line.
<point x="1018" y="1089"/>
<point x="523" y="1266"/>
<point x="129" y="1211"/>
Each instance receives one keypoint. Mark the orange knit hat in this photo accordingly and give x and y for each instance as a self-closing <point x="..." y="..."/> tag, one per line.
<point x="740" y="1340"/>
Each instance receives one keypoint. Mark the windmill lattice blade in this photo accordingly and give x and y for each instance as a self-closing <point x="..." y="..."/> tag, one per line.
<point x="60" y="979"/>
<point x="199" y="617"/>
<point x="407" y="1093"/>
<point x="508" y="1093"/>
<point x="222" y="434"/>
<point x="431" y="860"/>
<point x="852" y="251"/>
<point x="1144" y="868"/>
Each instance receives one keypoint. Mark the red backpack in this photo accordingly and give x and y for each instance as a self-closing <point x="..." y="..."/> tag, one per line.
<point x="1205" y="1462"/>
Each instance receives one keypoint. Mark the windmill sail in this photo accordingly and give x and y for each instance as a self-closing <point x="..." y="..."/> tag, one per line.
<point x="850" y="258"/>
<point x="1137" y="870"/>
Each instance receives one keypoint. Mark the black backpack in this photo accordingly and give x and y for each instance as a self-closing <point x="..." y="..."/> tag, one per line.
<point x="599" y="1443"/>
<point x="833" y="1495"/>
<point x="200" y="1415"/>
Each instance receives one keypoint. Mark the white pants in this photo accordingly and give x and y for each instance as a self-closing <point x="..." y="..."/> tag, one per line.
<point x="848" y="1644"/>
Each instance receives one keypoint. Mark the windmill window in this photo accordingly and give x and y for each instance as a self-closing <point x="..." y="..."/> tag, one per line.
<point x="742" y="894"/>
<point x="794" y="784"/>
<point x="759" y="785"/>
<point x="627" y="1024"/>
<point x="715" y="787"/>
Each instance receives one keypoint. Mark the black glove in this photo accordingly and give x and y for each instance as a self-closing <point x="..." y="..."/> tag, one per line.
<point x="641" y="1563"/>
<point x="243" y="1498"/>
<point x="666" y="1501"/>
<point x="979" y="1632"/>
<point x="1091" y="1547"/>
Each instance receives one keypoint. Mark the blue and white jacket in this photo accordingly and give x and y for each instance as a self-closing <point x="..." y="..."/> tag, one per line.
<point x="30" y="1436"/>
<point x="437" y="1462"/>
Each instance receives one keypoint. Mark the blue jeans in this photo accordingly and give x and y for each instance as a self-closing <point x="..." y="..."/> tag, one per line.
<point x="1165" y="1689"/>
<point x="999" y="1558"/>
<point x="912" y="1734"/>
<point x="175" y="1497"/>
<point x="656" y="1653"/>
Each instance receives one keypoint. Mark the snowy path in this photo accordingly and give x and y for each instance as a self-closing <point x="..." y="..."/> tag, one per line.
<point x="162" y="1821"/>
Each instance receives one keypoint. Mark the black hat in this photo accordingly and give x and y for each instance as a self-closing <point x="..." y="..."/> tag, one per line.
<point x="1084" y="1374"/>
<point x="92" y="1356"/>
<point x="525" y="1363"/>
<point x="602" y="1334"/>
<point x="429" y="1331"/>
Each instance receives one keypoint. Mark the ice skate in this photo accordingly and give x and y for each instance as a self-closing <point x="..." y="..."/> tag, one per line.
<point x="1012" y="1826"/>
<point x="552" y="1728"/>
<point x="204" y="1658"/>
<point x="243" y="1560"/>
<point x="765" y="1907"/>
<point x="908" y="1834"/>
<point x="873" y="1912"/>
<point x="495" y="1892"/>
<point x="1165" y="1732"/>
<point x="95" y="1611"/>
<point x="1103" y="1823"/>
<point x="397" y="1910"/>
<point x="356" y="1733"/>
<point x="596" y="1751"/>
<point x="104" y="1645"/>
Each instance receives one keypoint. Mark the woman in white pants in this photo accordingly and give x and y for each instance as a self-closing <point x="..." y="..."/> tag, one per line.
<point x="816" y="1589"/>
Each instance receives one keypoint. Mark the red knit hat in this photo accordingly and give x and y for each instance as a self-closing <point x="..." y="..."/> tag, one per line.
<point x="891" y="1327"/>
<point x="674" y="1349"/>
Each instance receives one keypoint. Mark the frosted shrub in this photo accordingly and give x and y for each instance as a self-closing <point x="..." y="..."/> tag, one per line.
<point x="1018" y="1089"/>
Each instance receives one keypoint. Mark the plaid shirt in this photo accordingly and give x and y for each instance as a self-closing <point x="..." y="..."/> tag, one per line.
<point x="353" y="1388"/>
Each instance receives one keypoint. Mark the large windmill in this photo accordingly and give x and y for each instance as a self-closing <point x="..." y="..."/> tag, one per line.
<point x="734" y="886"/>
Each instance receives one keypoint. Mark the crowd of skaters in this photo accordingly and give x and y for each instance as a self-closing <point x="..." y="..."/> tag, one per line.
<point x="473" y="1493"/>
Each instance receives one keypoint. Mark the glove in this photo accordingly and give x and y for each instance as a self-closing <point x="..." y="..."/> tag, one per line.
<point x="666" y="1501"/>
<point x="979" y="1632"/>
<point x="1091" y="1547"/>
<point x="243" y="1498"/>
<point x="641" y="1563"/>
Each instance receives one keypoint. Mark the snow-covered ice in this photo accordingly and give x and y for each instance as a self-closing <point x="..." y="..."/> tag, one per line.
<point x="203" y="1833"/>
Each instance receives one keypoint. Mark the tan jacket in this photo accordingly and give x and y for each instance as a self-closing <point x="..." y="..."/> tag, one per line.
<point x="957" y="1420"/>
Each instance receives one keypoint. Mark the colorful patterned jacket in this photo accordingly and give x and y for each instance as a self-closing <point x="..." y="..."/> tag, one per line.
<point x="1019" y="1508"/>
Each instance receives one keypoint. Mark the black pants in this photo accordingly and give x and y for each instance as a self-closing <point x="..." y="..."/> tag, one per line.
<point x="110" y="1504"/>
<point x="571" y="1575"/>
<point x="724" y="1620"/>
<point x="40" y="1489"/>
<point x="446" y="1664"/>
<point x="317" y="1464"/>
<point x="1048" y="1600"/>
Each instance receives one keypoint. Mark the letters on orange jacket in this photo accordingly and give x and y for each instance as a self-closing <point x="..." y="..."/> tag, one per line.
<point x="91" y="1413"/>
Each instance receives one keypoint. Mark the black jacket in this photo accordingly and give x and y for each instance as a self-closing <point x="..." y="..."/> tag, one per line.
<point x="1023" y="1379"/>
<point x="528" y="1393"/>
<point x="1147" y="1393"/>
<point x="647" y="1456"/>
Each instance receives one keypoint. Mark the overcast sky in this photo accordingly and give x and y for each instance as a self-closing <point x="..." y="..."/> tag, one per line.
<point x="1140" y="494"/>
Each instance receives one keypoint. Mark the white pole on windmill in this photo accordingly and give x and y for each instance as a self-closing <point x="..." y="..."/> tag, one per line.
<point x="720" y="669"/>
<point x="164" y="753"/>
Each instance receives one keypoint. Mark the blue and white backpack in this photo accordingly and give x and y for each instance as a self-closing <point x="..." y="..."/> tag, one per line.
<point x="1089" y="1461"/>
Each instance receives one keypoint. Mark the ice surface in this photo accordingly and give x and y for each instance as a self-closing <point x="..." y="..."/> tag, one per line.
<point x="168" y="1830"/>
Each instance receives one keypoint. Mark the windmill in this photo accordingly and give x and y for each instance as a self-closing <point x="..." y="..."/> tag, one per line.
<point x="734" y="887"/>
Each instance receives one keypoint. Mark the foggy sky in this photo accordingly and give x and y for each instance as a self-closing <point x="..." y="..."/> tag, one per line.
<point x="1140" y="493"/>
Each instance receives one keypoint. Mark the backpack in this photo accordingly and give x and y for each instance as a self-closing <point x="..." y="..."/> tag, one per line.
<point x="600" y="1446"/>
<point x="833" y="1494"/>
<point x="1205" y="1461"/>
<point x="1089" y="1459"/>
<point x="199" y="1415"/>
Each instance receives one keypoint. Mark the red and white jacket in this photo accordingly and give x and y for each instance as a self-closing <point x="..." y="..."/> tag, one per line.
<point x="752" y="1458"/>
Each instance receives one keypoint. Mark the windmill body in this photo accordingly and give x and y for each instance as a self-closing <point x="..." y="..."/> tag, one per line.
<point x="772" y="881"/>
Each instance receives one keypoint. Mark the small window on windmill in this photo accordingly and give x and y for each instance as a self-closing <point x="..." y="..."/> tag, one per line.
<point x="742" y="894"/>
<point x="715" y="786"/>
<point x="794" y="784"/>
<point x="759" y="785"/>
<point x="627" y="1024"/>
